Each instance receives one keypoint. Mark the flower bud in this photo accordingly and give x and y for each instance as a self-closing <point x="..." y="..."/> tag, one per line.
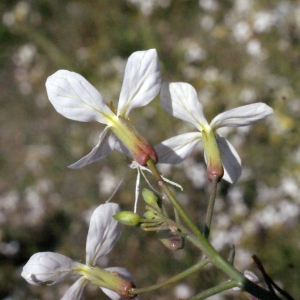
<point x="138" y="146"/>
<point x="149" y="197"/>
<point x="170" y="241"/>
<point x="212" y="155"/>
<point x="128" y="218"/>
<point x="150" y="215"/>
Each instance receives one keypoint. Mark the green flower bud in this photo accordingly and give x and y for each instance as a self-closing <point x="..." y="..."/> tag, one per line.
<point x="128" y="218"/>
<point x="150" y="215"/>
<point x="149" y="197"/>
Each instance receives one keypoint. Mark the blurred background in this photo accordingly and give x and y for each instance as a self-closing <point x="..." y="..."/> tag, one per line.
<point x="234" y="52"/>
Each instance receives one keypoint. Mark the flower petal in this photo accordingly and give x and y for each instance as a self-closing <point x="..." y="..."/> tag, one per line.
<point x="142" y="81"/>
<point x="124" y="273"/>
<point x="230" y="160"/>
<point x="180" y="100"/>
<point x="76" y="99"/>
<point x="103" y="233"/>
<point x="103" y="148"/>
<point x="178" y="148"/>
<point x="241" y="116"/>
<point x="48" y="267"/>
<point x="76" y="290"/>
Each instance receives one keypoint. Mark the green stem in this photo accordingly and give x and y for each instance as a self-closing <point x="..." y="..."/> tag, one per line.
<point x="242" y="282"/>
<point x="210" y="208"/>
<point x="173" y="279"/>
<point x="171" y="197"/>
<point x="215" y="290"/>
<point x="199" y="240"/>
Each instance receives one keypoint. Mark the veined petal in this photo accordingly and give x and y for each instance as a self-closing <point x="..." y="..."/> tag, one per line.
<point x="180" y="100"/>
<point x="230" y="160"/>
<point x="124" y="273"/>
<point x="48" y="267"/>
<point x="178" y="148"/>
<point x="76" y="99"/>
<point x="76" y="290"/>
<point x="142" y="81"/>
<point x="103" y="233"/>
<point x="103" y="148"/>
<point x="242" y="116"/>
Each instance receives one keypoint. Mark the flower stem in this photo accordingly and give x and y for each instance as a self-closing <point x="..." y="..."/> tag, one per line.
<point x="199" y="240"/>
<point x="173" y="279"/>
<point x="211" y="204"/>
<point x="216" y="290"/>
<point x="174" y="201"/>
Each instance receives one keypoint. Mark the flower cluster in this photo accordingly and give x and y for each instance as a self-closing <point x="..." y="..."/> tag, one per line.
<point x="75" y="98"/>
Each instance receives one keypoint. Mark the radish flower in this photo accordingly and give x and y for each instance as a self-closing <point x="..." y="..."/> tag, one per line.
<point x="180" y="100"/>
<point x="104" y="232"/>
<point x="76" y="99"/>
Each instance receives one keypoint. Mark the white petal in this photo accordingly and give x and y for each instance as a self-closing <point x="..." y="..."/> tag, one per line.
<point x="103" y="148"/>
<point x="181" y="101"/>
<point x="178" y="148"/>
<point x="242" y="116"/>
<point x="48" y="267"/>
<point x="109" y="293"/>
<point x="103" y="233"/>
<point x="230" y="159"/>
<point x="75" y="98"/>
<point x="124" y="273"/>
<point x="142" y="81"/>
<point x="76" y="290"/>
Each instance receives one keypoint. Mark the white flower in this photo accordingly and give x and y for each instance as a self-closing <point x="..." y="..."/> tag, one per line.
<point x="181" y="101"/>
<point x="104" y="232"/>
<point x="75" y="98"/>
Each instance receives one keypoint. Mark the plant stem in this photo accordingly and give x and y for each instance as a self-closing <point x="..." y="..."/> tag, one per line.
<point x="171" y="197"/>
<point x="199" y="240"/>
<point x="210" y="208"/>
<point x="173" y="279"/>
<point x="242" y="282"/>
<point x="215" y="290"/>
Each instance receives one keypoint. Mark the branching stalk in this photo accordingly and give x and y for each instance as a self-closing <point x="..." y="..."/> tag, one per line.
<point x="199" y="240"/>
<point x="173" y="279"/>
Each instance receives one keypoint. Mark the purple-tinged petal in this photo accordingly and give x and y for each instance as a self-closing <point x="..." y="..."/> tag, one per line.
<point x="142" y="81"/>
<point x="103" y="233"/>
<point x="76" y="99"/>
<point x="180" y="100"/>
<point x="230" y="160"/>
<point x="103" y="148"/>
<point x="178" y="148"/>
<point x="48" y="267"/>
<point x="242" y="116"/>
<point x="76" y="290"/>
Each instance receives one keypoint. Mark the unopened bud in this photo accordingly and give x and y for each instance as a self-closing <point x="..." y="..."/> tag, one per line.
<point x="150" y="215"/>
<point x="128" y="218"/>
<point x="170" y="241"/>
<point x="149" y="197"/>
